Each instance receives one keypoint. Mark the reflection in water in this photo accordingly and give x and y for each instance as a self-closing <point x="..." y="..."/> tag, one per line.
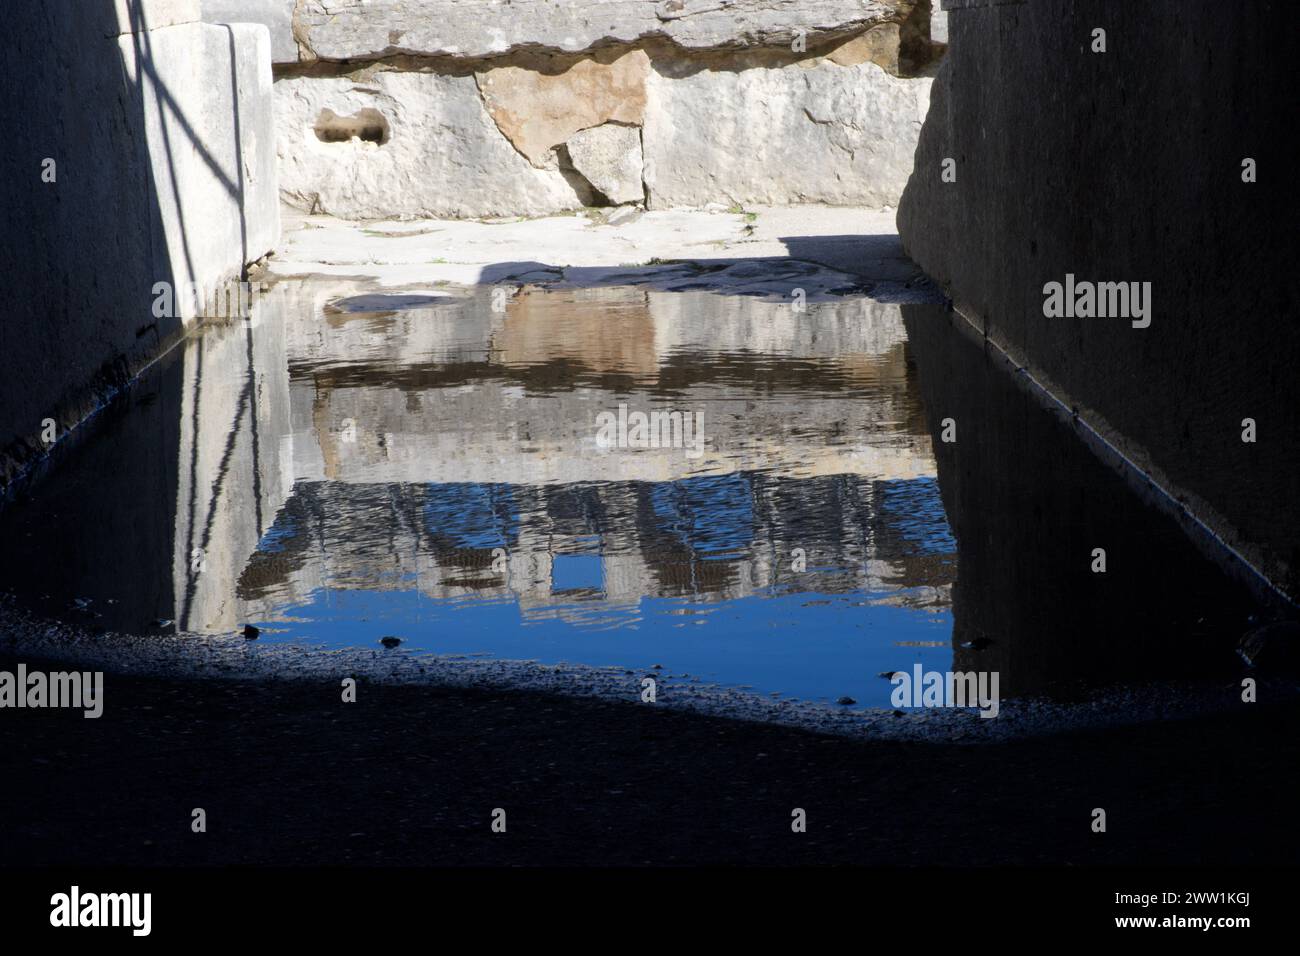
<point x="1029" y="504"/>
<point x="348" y="466"/>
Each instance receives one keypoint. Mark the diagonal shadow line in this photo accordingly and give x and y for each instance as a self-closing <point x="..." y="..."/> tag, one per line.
<point x="167" y="99"/>
<point x="192" y="503"/>
<point x="247" y="399"/>
<point x="239" y="149"/>
<point x="254" y="431"/>
<point x="144" y="59"/>
<point x="223" y="471"/>
<point x="167" y="105"/>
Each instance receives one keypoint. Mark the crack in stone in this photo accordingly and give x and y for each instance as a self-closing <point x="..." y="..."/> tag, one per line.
<point x="300" y="35"/>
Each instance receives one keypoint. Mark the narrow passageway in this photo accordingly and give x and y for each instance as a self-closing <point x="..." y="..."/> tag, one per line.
<point x="650" y="422"/>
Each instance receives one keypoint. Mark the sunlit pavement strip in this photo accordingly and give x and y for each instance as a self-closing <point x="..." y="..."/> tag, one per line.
<point x="854" y="245"/>
<point x="205" y="657"/>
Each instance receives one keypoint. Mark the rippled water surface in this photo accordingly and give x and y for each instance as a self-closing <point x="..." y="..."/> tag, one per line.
<point x="351" y="465"/>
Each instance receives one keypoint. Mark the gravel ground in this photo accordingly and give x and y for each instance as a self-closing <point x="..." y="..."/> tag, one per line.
<point x="410" y="775"/>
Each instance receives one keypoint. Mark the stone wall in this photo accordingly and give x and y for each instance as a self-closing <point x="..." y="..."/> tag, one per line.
<point x="1127" y="166"/>
<point x="475" y="108"/>
<point x="145" y="156"/>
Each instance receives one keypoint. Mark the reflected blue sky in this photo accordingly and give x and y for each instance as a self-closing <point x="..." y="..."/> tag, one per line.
<point x="803" y="644"/>
<point x="703" y="601"/>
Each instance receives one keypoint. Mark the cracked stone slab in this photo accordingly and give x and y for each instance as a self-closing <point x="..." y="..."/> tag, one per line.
<point x="351" y="30"/>
<point x="485" y="144"/>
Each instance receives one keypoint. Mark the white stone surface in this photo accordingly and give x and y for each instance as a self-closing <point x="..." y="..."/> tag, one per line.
<point x="444" y="155"/>
<point x="255" y="127"/>
<point x="275" y="15"/>
<point x="792" y="134"/>
<point x="345" y="29"/>
<point x="609" y="157"/>
<point x="207" y="138"/>
<point x="140" y="16"/>
<point x="939" y="26"/>
<point x="811" y="133"/>
<point x="423" y="255"/>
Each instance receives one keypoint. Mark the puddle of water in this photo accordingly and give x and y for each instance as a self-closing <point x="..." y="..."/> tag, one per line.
<point x="462" y="473"/>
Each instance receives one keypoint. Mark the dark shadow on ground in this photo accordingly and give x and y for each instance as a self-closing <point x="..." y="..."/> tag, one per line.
<point x="410" y="776"/>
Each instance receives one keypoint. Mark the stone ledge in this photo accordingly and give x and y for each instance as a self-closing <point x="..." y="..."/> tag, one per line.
<point x="140" y="16"/>
<point x="477" y="28"/>
<point x="275" y="15"/>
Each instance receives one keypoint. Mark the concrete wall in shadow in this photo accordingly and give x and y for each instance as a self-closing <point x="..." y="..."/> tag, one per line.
<point x="1127" y="165"/>
<point x="1028" y="503"/>
<point x="148" y="526"/>
<point x="146" y="156"/>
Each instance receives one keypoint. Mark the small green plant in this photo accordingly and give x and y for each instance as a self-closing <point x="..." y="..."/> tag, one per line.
<point x="737" y="209"/>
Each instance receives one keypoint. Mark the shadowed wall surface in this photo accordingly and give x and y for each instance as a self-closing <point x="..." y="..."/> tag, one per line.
<point x="1126" y="166"/>
<point x="146" y="157"/>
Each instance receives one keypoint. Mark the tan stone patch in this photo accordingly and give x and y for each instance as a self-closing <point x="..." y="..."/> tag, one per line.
<point x="878" y="45"/>
<point x="538" y="111"/>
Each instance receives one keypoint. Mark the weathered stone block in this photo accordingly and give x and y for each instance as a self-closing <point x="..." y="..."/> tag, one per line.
<point x="538" y="110"/>
<point x="791" y="134"/>
<point x="117" y="184"/>
<point x="207" y="139"/>
<point x="275" y="15"/>
<point x="609" y="157"/>
<point x="404" y="145"/>
<point x="139" y="16"/>
<point x="1127" y="166"/>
